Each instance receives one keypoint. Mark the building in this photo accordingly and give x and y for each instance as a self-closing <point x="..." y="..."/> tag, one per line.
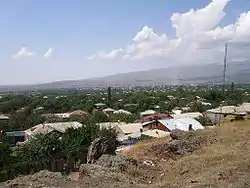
<point x="155" y="133"/>
<point x="3" y="117"/>
<point x="147" y="113"/>
<point x="121" y="111"/>
<point x="15" y="136"/>
<point x="184" y="124"/>
<point x="46" y="128"/>
<point x="79" y="113"/>
<point x="155" y="116"/>
<point x="123" y="128"/>
<point x="100" y="105"/>
<point x="62" y="115"/>
<point x="187" y="115"/>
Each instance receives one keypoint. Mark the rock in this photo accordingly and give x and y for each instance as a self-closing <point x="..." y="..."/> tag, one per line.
<point x="93" y="170"/>
<point x="117" y="163"/>
<point x="177" y="134"/>
<point x="99" y="147"/>
<point x="183" y="144"/>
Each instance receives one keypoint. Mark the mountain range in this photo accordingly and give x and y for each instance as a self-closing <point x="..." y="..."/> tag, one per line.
<point x="238" y="72"/>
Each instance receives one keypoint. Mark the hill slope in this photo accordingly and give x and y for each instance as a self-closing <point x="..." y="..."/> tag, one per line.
<point x="214" y="158"/>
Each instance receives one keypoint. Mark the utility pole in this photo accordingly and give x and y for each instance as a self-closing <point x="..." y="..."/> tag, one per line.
<point x="224" y="80"/>
<point x="224" y="71"/>
<point x="109" y="96"/>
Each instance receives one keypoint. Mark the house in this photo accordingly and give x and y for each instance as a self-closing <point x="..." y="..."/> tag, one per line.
<point x="168" y="125"/>
<point x="131" y="105"/>
<point x="62" y="115"/>
<point x="3" y="117"/>
<point x="154" y="124"/>
<point x="147" y="113"/>
<point x="219" y="114"/>
<point x="246" y="107"/>
<point x="184" y="124"/>
<point x="121" y="111"/>
<point x="129" y="139"/>
<point x="36" y="130"/>
<point x="15" y="136"/>
<point x="39" y="108"/>
<point x="79" y="113"/>
<point x="187" y="115"/>
<point x="122" y="128"/>
<point x="108" y="111"/>
<point x="100" y="105"/>
<point x="155" y="133"/>
<point x="177" y="111"/>
<point x="228" y="110"/>
<point x="46" y="128"/>
<point x="155" y="116"/>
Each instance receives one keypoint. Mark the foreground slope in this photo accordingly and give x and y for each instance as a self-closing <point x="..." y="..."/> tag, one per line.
<point x="218" y="157"/>
<point x="212" y="158"/>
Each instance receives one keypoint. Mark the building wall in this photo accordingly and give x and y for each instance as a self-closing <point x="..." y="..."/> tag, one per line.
<point x="154" y="125"/>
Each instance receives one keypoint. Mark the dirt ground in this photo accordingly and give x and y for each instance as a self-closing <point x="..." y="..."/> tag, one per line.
<point x="211" y="158"/>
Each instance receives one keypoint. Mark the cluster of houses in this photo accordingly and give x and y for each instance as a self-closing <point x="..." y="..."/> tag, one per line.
<point x="151" y="124"/>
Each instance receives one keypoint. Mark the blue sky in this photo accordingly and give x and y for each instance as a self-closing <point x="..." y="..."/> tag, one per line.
<point x="78" y="29"/>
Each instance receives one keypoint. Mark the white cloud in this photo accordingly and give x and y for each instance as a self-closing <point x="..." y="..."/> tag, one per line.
<point x="198" y="37"/>
<point x="49" y="52"/>
<point x="23" y="52"/>
<point x="106" y="55"/>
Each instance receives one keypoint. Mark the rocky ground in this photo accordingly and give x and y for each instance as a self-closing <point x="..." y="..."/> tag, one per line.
<point x="212" y="158"/>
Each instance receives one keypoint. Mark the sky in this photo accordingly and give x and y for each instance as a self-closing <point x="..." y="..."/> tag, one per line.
<point x="44" y="41"/>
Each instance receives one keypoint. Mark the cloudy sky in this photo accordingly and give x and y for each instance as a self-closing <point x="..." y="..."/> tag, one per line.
<point x="43" y="41"/>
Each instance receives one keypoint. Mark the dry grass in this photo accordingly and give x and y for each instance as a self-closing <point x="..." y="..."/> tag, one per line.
<point x="224" y="158"/>
<point x="140" y="150"/>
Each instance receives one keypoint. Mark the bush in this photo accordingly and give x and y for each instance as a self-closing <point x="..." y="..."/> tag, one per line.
<point x="204" y="121"/>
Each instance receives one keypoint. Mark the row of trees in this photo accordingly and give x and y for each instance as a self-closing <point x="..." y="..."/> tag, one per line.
<point x="116" y="99"/>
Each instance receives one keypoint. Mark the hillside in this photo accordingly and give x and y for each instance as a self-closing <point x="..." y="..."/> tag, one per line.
<point x="193" y="74"/>
<point x="214" y="158"/>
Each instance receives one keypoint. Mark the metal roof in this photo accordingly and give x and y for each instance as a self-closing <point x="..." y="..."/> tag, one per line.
<point x="49" y="127"/>
<point x="147" y="112"/>
<point x="245" y="106"/>
<point x="233" y="110"/>
<point x="187" y="115"/>
<point x="126" y="128"/>
<point x="181" y="124"/>
<point x="121" y="111"/>
<point x="14" y="133"/>
<point x="63" y="126"/>
<point x="3" y="117"/>
<point x="108" y="110"/>
<point x="130" y="127"/>
<point x="110" y="124"/>
<point x="38" y="129"/>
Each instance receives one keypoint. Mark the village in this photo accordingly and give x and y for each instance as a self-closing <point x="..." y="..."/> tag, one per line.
<point x="149" y="123"/>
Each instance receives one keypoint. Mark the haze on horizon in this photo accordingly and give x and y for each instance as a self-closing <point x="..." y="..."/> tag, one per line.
<point x="44" y="41"/>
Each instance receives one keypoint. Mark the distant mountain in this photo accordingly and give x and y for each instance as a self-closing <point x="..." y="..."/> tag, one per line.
<point x="238" y="72"/>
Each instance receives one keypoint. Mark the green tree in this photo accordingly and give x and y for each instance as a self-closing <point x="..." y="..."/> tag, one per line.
<point x="42" y="149"/>
<point x="5" y="158"/>
<point x="100" y="117"/>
